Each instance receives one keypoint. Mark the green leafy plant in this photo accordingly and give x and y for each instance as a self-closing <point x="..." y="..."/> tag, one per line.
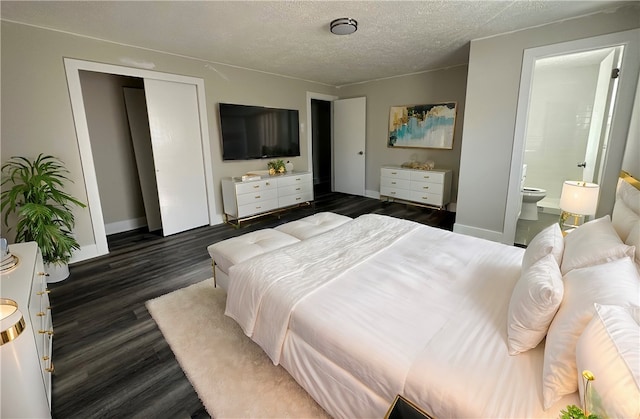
<point x="276" y="166"/>
<point x="32" y="189"/>
<point x="574" y="412"/>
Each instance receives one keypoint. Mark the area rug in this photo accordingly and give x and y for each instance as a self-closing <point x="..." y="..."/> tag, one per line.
<point x="233" y="377"/>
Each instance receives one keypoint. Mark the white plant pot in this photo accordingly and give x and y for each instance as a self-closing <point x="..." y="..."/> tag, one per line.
<point x="57" y="272"/>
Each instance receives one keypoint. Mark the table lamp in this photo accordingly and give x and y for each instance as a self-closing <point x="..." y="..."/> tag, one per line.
<point x="578" y="199"/>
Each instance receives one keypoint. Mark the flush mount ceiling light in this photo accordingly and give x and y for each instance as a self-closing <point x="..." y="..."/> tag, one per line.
<point x="344" y="26"/>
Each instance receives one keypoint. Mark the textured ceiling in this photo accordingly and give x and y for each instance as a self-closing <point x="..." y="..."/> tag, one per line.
<point x="292" y="38"/>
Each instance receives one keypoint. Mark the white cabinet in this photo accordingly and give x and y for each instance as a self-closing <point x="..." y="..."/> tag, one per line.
<point x="425" y="187"/>
<point x="252" y="198"/>
<point x="25" y="362"/>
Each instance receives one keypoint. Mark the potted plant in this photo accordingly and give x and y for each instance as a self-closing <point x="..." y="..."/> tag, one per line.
<point x="32" y="190"/>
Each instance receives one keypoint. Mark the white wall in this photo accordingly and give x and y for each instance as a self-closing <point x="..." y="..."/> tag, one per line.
<point x="490" y="113"/>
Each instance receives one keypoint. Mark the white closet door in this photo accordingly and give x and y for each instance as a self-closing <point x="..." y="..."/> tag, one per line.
<point x="349" y="140"/>
<point x="174" y="122"/>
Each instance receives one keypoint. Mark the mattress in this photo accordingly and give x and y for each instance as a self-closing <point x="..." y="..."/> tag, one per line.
<point x="409" y="310"/>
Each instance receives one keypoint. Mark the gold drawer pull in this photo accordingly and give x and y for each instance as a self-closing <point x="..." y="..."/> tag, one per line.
<point x="393" y="183"/>
<point x="51" y="369"/>
<point x="258" y="207"/>
<point x="394" y="173"/>
<point x="298" y="198"/>
<point x="425" y="187"/>
<point x="267" y="183"/>
<point x="257" y="197"/>
<point x="256" y="186"/>
<point x="45" y="358"/>
<point x="43" y="274"/>
<point x="48" y="332"/>
<point x="46" y="291"/>
<point x="40" y="314"/>
<point x="297" y="178"/>
<point x="297" y="189"/>
<point x="393" y="193"/>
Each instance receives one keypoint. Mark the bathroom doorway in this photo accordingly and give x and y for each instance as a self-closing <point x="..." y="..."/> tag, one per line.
<point x="567" y="128"/>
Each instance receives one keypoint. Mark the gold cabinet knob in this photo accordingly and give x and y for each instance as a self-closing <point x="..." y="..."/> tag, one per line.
<point x="51" y="369"/>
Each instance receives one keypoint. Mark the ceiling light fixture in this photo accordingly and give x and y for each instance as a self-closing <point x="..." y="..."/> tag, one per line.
<point x="344" y="26"/>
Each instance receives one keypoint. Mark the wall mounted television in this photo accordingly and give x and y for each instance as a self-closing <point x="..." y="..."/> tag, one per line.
<point x="256" y="132"/>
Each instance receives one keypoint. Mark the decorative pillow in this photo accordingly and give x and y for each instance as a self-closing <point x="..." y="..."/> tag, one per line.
<point x="593" y="243"/>
<point x="623" y="219"/>
<point x="609" y="347"/>
<point x="549" y="240"/>
<point x="616" y="283"/>
<point x="634" y="240"/>
<point x="629" y="194"/>
<point x="534" y="301"/>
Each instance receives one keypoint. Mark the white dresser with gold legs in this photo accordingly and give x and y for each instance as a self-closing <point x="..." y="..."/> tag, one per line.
<point x="25" y="361"/>
<point x="431" y="188"/>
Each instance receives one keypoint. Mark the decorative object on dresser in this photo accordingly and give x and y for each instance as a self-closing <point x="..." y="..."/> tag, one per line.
<point x="33" y="191"/>
<point x="252" y="198"/>
<point x="26" y="359"/>
<point x="430" y="188"/>
<point x="422" y="126"/>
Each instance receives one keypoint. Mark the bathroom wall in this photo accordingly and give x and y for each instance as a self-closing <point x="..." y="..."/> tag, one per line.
<point x="558" y="126"/>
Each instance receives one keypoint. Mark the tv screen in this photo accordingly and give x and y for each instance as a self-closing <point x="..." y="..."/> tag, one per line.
<point x="255" y="132"/>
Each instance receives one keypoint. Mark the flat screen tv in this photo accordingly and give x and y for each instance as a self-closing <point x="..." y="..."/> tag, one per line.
<point x="256" y="132"/>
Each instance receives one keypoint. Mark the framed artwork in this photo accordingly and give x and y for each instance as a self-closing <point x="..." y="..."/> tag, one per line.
<point x="422" y="126"/>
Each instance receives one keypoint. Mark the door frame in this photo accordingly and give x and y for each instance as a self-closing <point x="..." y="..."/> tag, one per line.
<point x="327" y="98"/>
<point x="72" y="70"/>
<point x="623" y="108"/>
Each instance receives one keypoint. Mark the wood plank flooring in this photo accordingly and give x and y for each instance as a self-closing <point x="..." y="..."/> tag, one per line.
<point x="111" y="359"/>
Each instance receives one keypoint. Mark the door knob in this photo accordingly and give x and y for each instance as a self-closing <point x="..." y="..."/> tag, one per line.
<point x="583" y="164"/>
<point x="361" y="152"/>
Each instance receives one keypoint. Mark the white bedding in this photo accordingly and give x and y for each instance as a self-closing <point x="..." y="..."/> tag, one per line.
<point x="410" y="310"/>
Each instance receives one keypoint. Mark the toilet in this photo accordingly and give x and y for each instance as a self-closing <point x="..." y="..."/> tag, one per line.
<point x="530" y="198"/>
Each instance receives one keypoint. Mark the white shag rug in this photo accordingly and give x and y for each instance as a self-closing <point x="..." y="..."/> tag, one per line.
<point x="233" y="377"/>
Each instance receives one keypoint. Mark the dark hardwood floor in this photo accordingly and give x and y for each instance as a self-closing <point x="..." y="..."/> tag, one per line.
<point x="110" y="357"/>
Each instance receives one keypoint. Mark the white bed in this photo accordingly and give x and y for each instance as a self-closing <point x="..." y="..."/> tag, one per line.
<point x="381" y="306"/>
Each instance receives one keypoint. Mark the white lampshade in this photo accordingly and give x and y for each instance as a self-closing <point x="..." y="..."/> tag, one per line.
<point x="579" y="198"/>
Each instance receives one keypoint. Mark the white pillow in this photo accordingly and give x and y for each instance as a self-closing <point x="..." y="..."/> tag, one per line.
<point x="549" y="240"/>
<point x="609" y="347"/>
<point x="623" y="219"/>
<point x="634" y="240"/>
<point x="615" y="283"/>
<point x="593" y="243"/>
<point x="629" y="194"/>
<point x="534" y="301"/>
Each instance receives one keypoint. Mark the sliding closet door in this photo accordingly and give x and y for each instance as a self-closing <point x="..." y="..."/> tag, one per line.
<point x="174" y="122"/>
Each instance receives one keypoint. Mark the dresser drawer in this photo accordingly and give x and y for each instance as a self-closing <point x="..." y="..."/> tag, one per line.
<point x="427" y="187"/>
<point x="295" y="180"/>
<point x="257" y="196"/>
<point x="395" y="192"/>
<point x="294" y="189"/>
<point x="260" y="185"/>
<point x="427" y="176"/>
<point x="427" y="198"/>
<point x="395" y="183"/>
<point x="257" y="207"/>
<point x="295" y="199"/>
<point x="395" y="173"/>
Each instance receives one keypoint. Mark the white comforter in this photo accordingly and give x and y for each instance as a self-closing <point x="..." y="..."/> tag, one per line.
<point x="403" y="309"/>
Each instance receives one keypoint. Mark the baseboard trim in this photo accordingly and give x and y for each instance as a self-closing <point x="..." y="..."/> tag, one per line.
<point x="85" y="252"/>
<point x="125" y="225"/>
<point x="482" y="233"/>
<point x="372" y="194"/>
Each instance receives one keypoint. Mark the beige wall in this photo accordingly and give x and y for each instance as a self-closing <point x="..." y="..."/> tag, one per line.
<point x="491" y="103"/>
<point x="448" y="85"/>
<point x="36" y="109"/>
<point x="113" y="156"/>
